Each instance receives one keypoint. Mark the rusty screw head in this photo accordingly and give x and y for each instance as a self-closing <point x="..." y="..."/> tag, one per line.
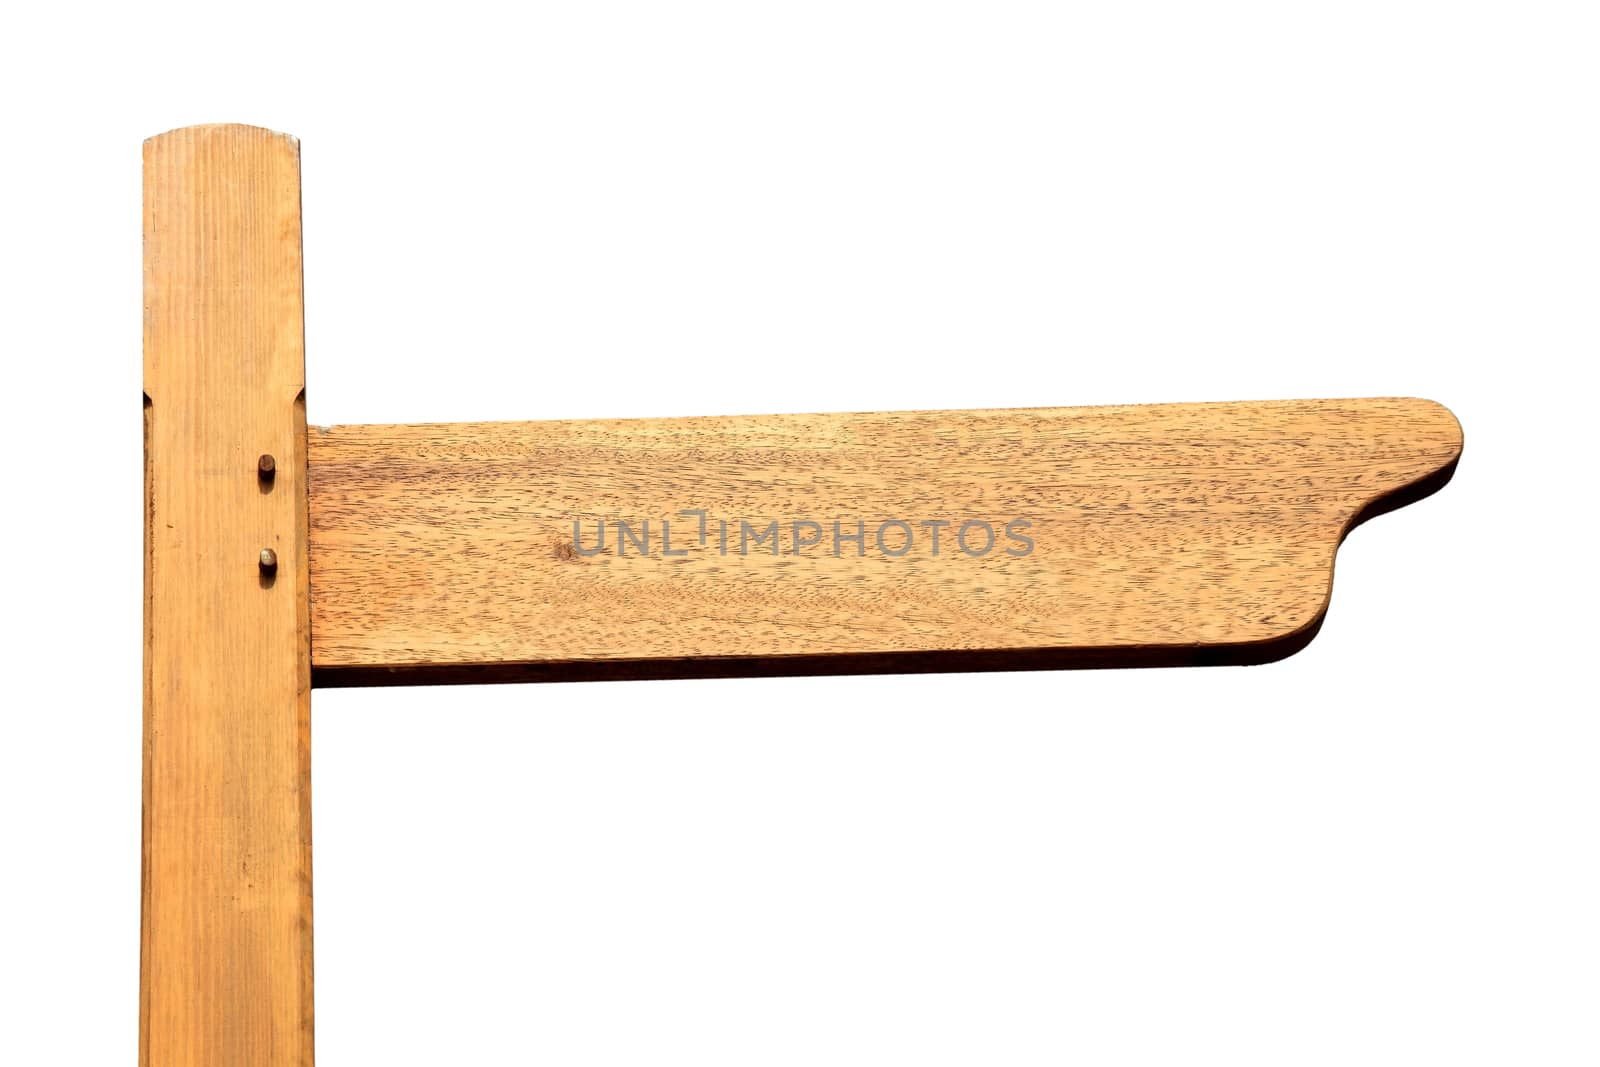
<point x="269" y="562"/>
<point x="266" y="468"/>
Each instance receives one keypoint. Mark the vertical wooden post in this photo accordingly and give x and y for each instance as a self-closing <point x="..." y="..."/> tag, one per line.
<point x="225" y="967"/>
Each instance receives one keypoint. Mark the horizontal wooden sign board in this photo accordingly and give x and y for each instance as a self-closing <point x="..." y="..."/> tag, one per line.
<point x="935" y="540"/>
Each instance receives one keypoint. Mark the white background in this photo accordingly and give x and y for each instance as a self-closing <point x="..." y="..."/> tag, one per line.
<point x="1380" y="851"/>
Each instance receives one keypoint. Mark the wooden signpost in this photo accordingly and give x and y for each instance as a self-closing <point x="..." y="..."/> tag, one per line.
<point x="277" y="558"/>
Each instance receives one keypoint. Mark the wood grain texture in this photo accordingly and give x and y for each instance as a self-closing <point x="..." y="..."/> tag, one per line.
<point x="1160" y="534"/>
<point x="225" y="967"/>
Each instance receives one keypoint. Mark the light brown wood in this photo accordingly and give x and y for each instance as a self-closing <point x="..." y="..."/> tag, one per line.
<point x="1168" y="534"/>
<point x="225" y="969"/>
<point x="1162" y="534"/>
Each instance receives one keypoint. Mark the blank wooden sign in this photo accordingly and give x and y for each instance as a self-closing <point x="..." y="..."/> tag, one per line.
<point x="355" y="555"/>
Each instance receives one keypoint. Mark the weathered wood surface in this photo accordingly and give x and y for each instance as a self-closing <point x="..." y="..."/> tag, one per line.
<point x="225" y="967"/>
<point x="1159" y="534"/>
